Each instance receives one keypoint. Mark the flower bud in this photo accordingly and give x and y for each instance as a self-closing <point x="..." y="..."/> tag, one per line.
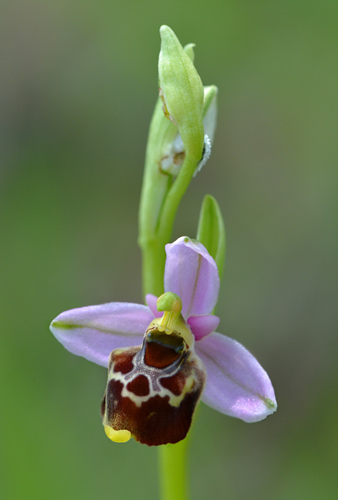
<point x="182" y="92"/>
<point x="174" y="154"/>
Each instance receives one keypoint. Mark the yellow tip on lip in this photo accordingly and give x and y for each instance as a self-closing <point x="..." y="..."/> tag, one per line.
<point x="117" y="436"/>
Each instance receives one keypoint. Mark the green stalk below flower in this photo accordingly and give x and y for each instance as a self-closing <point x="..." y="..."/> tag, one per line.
<point x="172" y="471"/>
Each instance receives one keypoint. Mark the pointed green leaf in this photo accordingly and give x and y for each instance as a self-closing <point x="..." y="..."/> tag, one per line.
<point x="211" y="231"/>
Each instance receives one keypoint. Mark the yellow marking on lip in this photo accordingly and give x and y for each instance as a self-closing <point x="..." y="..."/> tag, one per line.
<point x="117" y="436"/>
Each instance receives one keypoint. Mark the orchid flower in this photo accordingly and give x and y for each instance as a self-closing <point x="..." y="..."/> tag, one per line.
<point x="160" y="365"/>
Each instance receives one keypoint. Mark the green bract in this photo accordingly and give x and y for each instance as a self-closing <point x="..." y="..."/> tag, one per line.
<point x="211" y="231"/>
<point x="182" y="92"/>
<point x="189" y="50"/>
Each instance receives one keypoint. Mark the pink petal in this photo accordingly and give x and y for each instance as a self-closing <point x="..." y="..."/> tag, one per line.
<point x="151" y="301"/>
<point x="192" y="274"/>
<point x="94" y="331"/>
<point x="236" y="383"/>
<point x="201" y="326"/>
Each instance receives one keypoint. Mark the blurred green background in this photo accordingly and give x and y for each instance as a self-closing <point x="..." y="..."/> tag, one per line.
<point x="78" y="84"/>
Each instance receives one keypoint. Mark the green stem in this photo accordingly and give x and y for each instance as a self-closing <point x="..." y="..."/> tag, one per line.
<point x="153" y="260"/>
<point x="172" y="469"/>
<point x="155" y="186"/>
<point x="174" y="197"/>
